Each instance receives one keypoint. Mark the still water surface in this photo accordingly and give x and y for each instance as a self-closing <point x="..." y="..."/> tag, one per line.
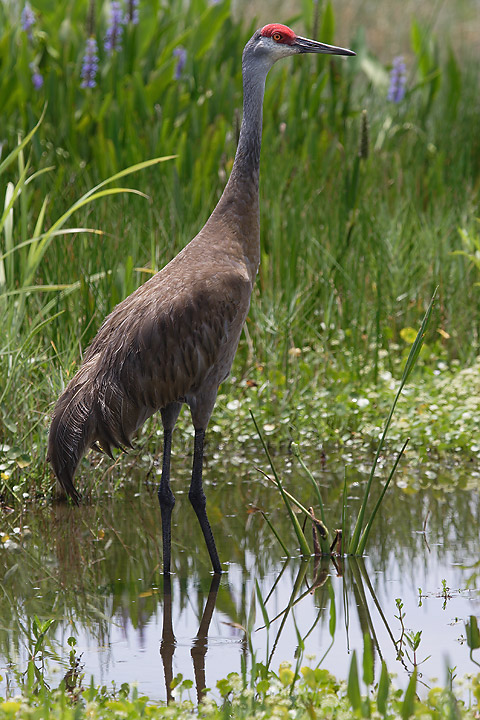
<point x="97" y="571"/>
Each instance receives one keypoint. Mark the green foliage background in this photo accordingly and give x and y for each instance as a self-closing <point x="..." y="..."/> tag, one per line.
<point x="367" y="206"/>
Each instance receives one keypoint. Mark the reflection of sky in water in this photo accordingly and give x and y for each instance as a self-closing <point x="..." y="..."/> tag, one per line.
<point x="102" y="561"/>
<point x="134" y="657"/>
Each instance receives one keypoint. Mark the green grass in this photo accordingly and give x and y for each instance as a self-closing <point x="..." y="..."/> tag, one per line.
<point x="315" y="693"/>
<point x="352" y="247"/>
<point x="326" y="543"/>
<point x="305" y="692"/>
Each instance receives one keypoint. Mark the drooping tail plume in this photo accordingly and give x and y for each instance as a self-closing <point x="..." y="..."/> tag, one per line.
<point x="93" y="411"/>
<point x="71" y="434"/>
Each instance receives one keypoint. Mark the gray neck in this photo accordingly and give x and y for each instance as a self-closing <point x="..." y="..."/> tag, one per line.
<point x="238" y="209"/>
<point x="247" y="159"/>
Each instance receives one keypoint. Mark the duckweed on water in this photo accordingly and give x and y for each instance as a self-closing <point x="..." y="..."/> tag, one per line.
<point x="439" y="413"/>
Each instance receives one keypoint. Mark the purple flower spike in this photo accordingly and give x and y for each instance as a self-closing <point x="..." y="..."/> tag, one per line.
<point x="37" y="77"/>
<point x="398" y="79"/>
<point x="132" y="15"/>
<point x="181" y="54"/>
<point x="113" y="38"/>
<point x="27" y="19"/>
<point x="90" y="64"/>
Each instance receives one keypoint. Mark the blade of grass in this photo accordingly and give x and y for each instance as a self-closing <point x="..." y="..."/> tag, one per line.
<point x="21" y="351"/>
<point x="291" y="604"/>
<point x="344" y="510"/>
<point x="304" y="548"/>
<point x="408" y="704"/>
<point x="353" y="685"/>
<point x="266" y="619"/>
<point x="410" y="364"/>
<point x="37" y="251"/>
<point x="383" y="690"/>
<point x="11" y="156"/>
<point x="368" y="527"/>
<point x="65" y="231"/>
<point x="289" y="495"/>
<point x="12" y="196"/>
<point x="296" y="452"/>
<point x="265" y="517"/>
<point x="324" y="535"/>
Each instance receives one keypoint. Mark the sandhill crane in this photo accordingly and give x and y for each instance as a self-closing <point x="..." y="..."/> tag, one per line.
<point x="173" y="340"/>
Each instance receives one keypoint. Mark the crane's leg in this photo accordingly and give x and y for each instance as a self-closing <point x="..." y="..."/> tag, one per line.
<point x="199" y="501"/>
<point x="165" y="495"/>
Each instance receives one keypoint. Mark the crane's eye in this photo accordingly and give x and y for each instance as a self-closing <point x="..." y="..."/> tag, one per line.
<point x="277" y="36"/>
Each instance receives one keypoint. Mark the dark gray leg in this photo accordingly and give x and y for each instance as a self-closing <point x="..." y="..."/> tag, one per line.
<point x="165" y="495"/>
<point x="200" y="644"/>
<point x="199" y="502"/>
<point x="168" y="642"/>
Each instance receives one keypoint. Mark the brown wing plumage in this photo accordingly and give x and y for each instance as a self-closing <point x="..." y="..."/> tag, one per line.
<point x="170" y="339"/>
<point x="159" y="347"/>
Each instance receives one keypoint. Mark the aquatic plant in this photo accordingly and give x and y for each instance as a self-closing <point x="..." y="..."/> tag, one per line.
<point x="312" y="692"/>
<point x="398" y="80"/>
<point x="329" y="324"/>
<point x="113" y="37"/>
<point x="90" y="64"/>
<point x="20" y="259"/>
<point x="473" y="636"/>
<point x="356" y="544"/>
<point x="37" y="77"/>
<point x="28" y="19"/>
<point x="181" y="54"/>
<point x="133" y="13"/>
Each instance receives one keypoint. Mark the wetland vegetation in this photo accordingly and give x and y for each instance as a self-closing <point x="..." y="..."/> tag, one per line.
<point x="367" y="205"/>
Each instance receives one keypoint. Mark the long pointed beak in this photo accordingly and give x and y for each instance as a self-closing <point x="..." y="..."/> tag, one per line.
<point x="305" y="45"/>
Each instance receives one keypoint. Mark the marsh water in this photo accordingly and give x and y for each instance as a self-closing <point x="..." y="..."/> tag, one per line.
<point x="96" y="571"/>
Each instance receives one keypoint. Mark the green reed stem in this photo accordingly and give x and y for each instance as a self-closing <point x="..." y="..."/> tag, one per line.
<point x="294" y="520"/>
<point x="354" y="546"/>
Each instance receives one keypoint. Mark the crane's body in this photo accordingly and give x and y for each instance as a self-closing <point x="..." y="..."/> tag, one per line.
<point x="171" y="340"/>
<point x="174" y="339"/>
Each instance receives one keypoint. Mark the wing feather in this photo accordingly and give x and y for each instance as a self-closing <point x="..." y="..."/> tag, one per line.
<point x="172" y="338"/>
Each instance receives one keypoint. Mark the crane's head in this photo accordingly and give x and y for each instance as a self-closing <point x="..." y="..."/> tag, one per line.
<point x="275" y="41"/>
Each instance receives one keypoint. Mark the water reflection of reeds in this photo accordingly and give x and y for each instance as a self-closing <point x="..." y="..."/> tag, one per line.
<point x="100" y="564"/>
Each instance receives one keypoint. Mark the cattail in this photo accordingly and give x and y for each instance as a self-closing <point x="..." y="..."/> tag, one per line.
<point x="364" y="137"/>
<point x="398" y="79"/>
